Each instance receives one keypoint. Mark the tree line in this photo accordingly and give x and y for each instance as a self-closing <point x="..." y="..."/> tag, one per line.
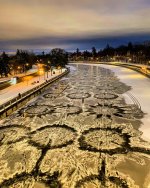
<point x="135" y="53"/>
<point x="23" y="60"/>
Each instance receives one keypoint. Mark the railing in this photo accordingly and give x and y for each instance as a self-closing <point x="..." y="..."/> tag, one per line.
<point x="4" y="107"/>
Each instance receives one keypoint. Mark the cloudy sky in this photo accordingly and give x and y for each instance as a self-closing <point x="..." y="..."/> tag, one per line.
<point x="46" y="24"/>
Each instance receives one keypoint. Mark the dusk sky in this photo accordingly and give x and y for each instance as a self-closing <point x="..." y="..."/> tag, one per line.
<point x="68" y="24"/>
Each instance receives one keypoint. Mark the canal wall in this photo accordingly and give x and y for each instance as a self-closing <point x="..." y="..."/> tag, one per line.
<point x="9" y="107"/>
<point x="136" y="68"/>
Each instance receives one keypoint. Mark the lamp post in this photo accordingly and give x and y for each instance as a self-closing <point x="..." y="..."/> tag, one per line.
<point x="49" y="64"/>
<point x="47" y="72"/>
<point x="44" y="74"/>
<point x="40" y="73"/>
<point x="39" y="70"/>
<point x="51" y="70"/>
<point x="26" y="65"/>
<point x="19" y="68"/>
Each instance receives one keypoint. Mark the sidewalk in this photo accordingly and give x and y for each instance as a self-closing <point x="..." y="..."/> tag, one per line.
<point x="13" y="91"/>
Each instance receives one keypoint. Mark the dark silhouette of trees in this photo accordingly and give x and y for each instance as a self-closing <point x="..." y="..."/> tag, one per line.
<point x="94" y="52"/>
<point x="24" y="60"/>
<point x="130" y="46"/>
<point x="136" y="53"/>
<point x="78" y="53"/>
<point x="58" y="57"/>
<point x="86" y="55"/>
<point x="108" y="51"/>
<point x="4" y="65"/>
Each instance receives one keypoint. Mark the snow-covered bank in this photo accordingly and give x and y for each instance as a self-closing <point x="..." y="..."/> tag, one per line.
<point x="13" y="91"/>
<point x="140" y="90"/>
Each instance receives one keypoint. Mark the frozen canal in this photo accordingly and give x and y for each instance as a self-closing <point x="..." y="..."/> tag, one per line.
<point x="88" y="130"/>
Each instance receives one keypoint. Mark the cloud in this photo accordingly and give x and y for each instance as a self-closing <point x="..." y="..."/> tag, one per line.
<point x="35" y="19"/>
<point x="71" y="43"/>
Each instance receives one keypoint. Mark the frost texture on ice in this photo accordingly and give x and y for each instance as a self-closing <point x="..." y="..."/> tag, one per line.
<point x="79" y="133"/>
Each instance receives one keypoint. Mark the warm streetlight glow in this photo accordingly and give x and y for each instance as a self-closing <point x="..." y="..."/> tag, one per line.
<point x="39" y="65"/>
<point x="41" y="71"/>
<point x="27" y="79"/>
<point x="144" y="69"/>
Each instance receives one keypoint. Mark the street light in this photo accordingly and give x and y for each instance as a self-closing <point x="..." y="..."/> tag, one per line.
<point x="41" y="71"/>
<point x="49" y="64"/>
<point x="27" y="79"/>
<point x="26" y="65"/>
<point x="47" y="70"/>
<point x="19" y="68"/>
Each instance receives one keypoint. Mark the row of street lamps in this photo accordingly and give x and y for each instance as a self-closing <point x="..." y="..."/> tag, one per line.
<point x="42" y="69"/>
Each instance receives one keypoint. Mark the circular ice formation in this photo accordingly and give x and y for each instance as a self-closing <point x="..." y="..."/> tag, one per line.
<point x="36" y="110"/>
<point x="53" y="95"/>
<point x="11" y="134"/>
<point x="31" y="180"/>
<point x="106" y="96"/>
<point x="95" y="181"/>
<point x="84" y="87"/>
<point x="105" y="140"/>
<point x="68" y="109"/>
<point x="80" y="95"/>
<point x="104" y="87"/>
<point x="53" y="136"/>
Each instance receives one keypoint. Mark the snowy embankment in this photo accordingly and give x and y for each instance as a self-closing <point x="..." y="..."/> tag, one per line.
<point x="13" y="91"/>
<point x="140" y="90"/>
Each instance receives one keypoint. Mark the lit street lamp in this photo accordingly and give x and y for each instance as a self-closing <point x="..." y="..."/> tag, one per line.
<point x="19" y="68"/>
<point x="40" y="73"/>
